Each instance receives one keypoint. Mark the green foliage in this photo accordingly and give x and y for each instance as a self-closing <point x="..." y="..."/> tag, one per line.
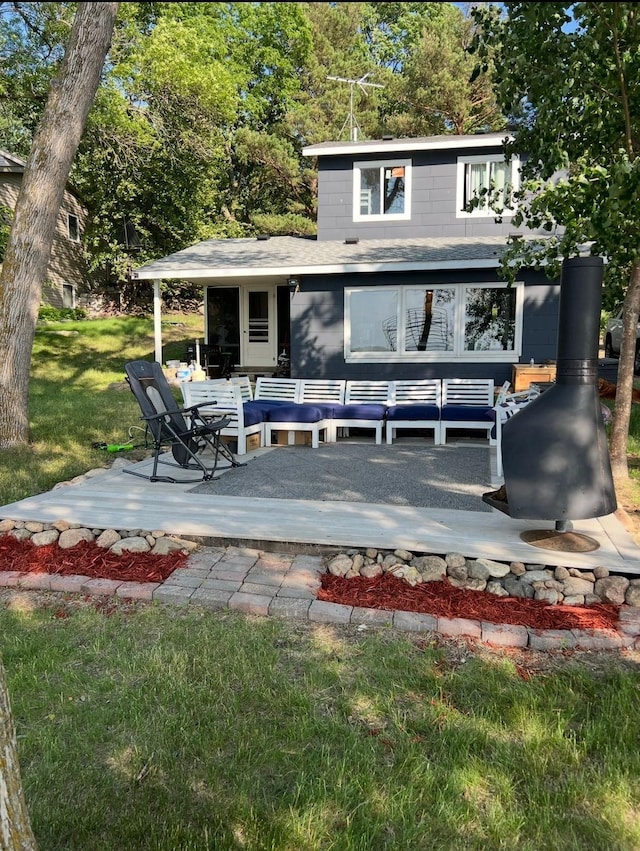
<point x="434" y="92"/>
<point x="204" y="109"/>
<point x="573" y="102"/>
<point x="60" y="314"/>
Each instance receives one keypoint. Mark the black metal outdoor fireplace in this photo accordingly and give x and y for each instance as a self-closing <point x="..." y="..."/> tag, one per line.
<point x="554" y="451"/>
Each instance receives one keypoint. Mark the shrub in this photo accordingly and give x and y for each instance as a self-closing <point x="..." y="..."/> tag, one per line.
<point x="59" y="314"/>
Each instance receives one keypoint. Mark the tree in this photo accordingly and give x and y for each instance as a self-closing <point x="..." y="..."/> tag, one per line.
<point x="436" y="92"/>
<point x="567" y="75"/>
<point x="43" y="184"/>
<point x="15" y="826"/>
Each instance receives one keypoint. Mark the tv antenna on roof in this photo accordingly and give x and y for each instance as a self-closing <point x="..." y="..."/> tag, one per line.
<point x="351" y="118"/>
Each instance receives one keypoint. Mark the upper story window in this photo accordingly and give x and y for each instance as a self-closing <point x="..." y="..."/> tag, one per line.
<point x="471" y="322"/>
<point x="73" y="227"/>
<point x="381" y="190"/>
<point x="489" y="179"/>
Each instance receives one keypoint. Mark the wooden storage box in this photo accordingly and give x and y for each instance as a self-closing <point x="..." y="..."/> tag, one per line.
<point x="253" y="442"/>
<point x="302" y="438"/>
<point x="524" y="375"/>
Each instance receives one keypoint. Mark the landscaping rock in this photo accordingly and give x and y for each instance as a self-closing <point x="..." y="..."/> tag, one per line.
<point x="132" y="545"/>
<point x="166" y="545"/>
<point x="371" y="571"/>
<point x="46" y="538"/>
<point x="612" y="589"/>
<point x="495" y="569"/>
<point x="572" y="586"/>
<point x="107" y="538"/>
<point x="339" y="565"/>
<point x="632" y="594"/>
<point x="71" y="537"/>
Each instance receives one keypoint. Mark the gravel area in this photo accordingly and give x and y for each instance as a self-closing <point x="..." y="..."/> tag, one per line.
<point x="405" y="473"/>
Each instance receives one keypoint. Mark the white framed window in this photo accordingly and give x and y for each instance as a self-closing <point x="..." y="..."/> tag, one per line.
<point x="381" y="190"/>
<point x="490" y="179"/>
<point x="461" y="321"/>
<point x="73" y="227"/>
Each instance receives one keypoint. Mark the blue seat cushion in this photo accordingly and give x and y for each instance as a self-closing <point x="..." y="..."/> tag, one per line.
<point x="326" y="408"/>
<point x="467" y="413"/>
<point x="413" y="412"/>
<point x="252" y="416"/>
<point x="261" y="408"/>
<point x="294" y="413"/>
<point x="359" y="412"/>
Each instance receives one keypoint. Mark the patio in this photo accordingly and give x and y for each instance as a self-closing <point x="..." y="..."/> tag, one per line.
<point x="387" y="519"/>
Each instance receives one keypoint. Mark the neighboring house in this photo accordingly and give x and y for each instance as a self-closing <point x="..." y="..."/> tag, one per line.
<point x="66" y="279"/>
<point x="401" y="281"/>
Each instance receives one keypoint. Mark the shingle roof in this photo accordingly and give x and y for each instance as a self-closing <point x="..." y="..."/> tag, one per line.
<point x="290" y="255"/>
<point x="9" y="162"/>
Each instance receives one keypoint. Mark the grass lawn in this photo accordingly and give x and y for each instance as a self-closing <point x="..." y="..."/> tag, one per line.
<point x="78" y="396"/>
<point x="156" y="727"/>
<point x="145" y="727"/>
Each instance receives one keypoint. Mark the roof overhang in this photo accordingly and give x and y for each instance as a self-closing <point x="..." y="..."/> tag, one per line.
<point x="427" y="143"/>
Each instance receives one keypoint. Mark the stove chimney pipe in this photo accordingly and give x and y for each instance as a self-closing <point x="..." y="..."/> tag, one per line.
<point x="554" y="452"/>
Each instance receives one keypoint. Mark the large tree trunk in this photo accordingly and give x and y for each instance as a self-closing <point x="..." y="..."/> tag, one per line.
<point x="15" y="827"/>
<point x="43" y="184"/>
<point x="622" y="412"/>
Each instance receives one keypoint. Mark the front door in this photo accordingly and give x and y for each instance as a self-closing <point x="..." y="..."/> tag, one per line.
<point x="259" y="326"/>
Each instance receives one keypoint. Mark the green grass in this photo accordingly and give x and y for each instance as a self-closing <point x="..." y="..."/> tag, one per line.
<point x="144" y="727"/>
<point x="78" y="396"/>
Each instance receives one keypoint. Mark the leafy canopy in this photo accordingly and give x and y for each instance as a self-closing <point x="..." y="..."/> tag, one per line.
<point x="568" y="77"/>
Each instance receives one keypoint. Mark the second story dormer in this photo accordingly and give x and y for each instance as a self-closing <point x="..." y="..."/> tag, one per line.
<point x="413" y="188"/>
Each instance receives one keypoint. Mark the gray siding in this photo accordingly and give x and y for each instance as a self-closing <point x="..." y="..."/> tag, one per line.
<point x="317" y="328"/>
<point x="67" y="264"/>
<point x="433" y="200"/>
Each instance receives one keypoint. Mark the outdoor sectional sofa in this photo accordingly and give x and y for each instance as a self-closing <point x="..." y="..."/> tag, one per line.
<point x="323" y="407"/>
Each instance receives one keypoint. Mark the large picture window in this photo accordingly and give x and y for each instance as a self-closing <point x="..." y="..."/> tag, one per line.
<point x="381" y="190"/>
<point x="458" y="321"/>
<point x="490" y="181"/>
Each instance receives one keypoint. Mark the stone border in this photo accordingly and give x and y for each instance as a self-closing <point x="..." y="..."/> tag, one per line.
<point x="554" y="585"/>
<point x="271" y="584"/>
<point x="117" y="541"/>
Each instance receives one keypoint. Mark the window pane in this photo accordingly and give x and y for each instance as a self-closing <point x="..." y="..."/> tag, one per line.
<point x="258" y="317"/>
<point x="489" y="319"/>
<point x="369" y="191"/>
<point x="429" y="322"/>
<point x="374" y="321"/>
<point x="394" y="189"/>
<point x="500" y="178"/>
<point x="475" y="181"/>
<point x="74" y="228"/>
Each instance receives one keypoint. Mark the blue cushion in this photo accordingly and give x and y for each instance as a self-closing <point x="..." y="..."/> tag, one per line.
<point x="293" y="413"/>
<point x="252" y="416"/>
<point x="467" y="413"/>
<point x="261" y="407"/>
<point x="413" y="412"/>
<point x="356" y="411"/>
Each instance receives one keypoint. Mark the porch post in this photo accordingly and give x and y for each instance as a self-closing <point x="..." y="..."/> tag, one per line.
<point x="157" y="320"/>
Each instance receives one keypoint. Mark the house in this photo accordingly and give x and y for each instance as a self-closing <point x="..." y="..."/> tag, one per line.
<point x="67" y="274"/>
<point x="402" y="280"/>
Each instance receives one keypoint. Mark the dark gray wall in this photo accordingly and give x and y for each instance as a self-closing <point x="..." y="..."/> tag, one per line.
<point x="317" y="327"/>
<point x="433" y="199"/>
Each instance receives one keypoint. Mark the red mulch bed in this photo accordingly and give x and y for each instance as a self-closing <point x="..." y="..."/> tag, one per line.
<point x="442" y="599"/>
<point x="87" y="559"/>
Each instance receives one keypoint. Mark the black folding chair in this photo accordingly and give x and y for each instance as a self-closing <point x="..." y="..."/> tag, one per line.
<point x="183" y="431"/>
